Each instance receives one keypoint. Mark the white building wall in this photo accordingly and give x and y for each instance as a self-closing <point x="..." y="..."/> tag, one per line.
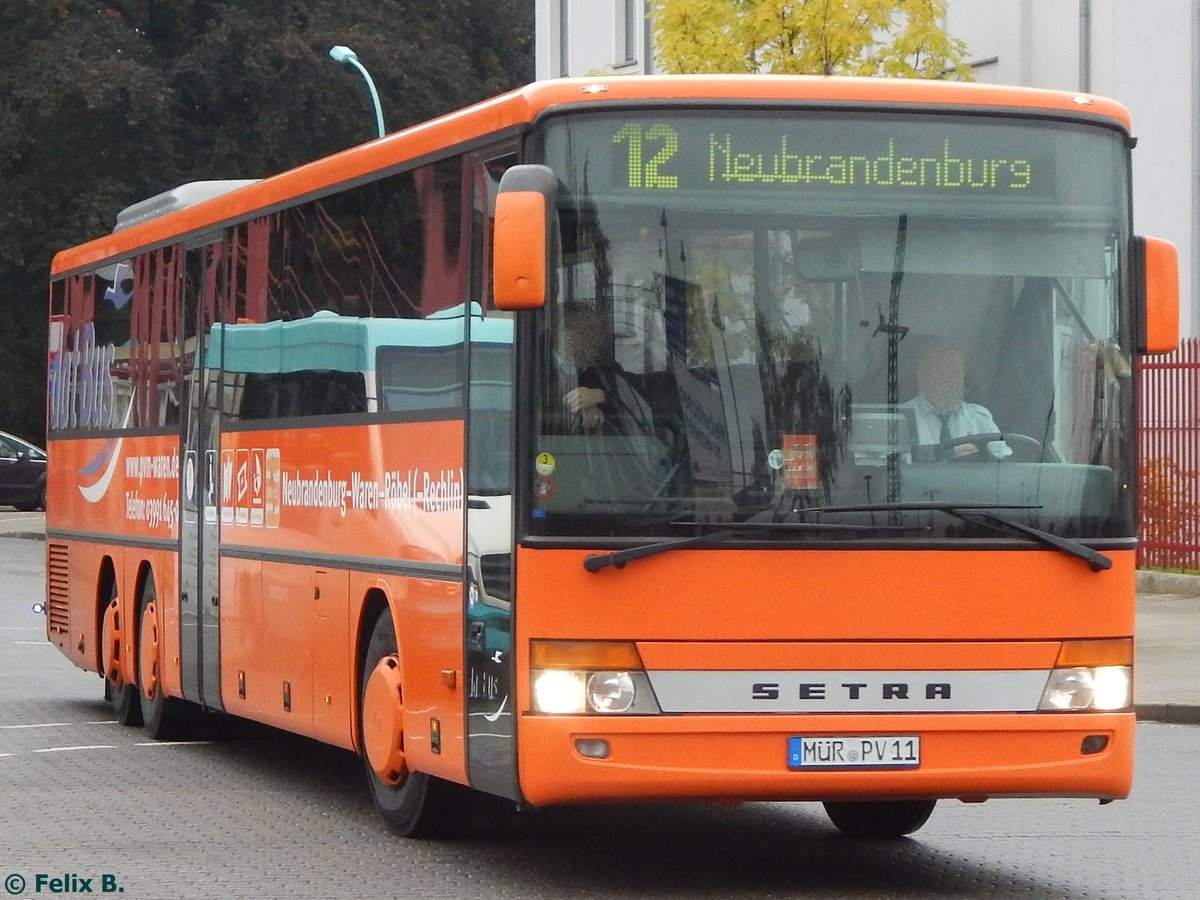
<point x="1144" y="53"/>
<point x="594" y="31"/>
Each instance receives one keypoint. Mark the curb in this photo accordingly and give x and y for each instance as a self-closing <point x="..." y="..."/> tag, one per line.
<point x="1168" y="713"/>
<point x="1150" y="582"/>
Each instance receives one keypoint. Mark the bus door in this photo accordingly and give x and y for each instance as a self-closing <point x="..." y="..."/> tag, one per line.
<point x="491" y="750"/>
<point x="199" y="531"/>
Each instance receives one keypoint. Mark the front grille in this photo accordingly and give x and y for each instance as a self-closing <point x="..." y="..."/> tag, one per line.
<point x="496" y="573"/>
<point x="58" y="589"/>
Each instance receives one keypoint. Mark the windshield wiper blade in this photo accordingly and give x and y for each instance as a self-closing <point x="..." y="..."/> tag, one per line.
<point x="618" y="558"/>
<point x="594" y="562"/>
<point x="1096" y="561"/>
<point x="910" y="506"/>
<point x="968" y="512"/>
<point x="974" y="513"/>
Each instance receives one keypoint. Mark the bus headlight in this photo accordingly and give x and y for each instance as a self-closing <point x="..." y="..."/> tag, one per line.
<point x="1101" y="688"/>
<point x="610" y="692"/>
<point x="589" y="677"/>
<point x="558" y="692"/>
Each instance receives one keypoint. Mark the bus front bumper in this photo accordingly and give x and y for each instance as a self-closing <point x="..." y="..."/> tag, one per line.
<point x="580" y="759"/>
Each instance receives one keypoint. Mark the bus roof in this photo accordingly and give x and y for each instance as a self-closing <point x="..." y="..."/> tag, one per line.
<point x="520" y="108"/>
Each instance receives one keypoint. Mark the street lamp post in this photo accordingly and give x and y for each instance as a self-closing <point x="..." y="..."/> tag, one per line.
<point x="348" y="57"/>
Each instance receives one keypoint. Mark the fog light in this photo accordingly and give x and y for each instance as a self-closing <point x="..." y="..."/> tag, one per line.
<point x="558" y="692"/>
<point x="610" y="692"/>
<point x="1093" y="743"/>
<point x="592" y="748"/>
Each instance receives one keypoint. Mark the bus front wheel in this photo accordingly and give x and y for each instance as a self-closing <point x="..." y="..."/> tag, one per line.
<point x="412" y="804"/>
<point x="878" y="818"/>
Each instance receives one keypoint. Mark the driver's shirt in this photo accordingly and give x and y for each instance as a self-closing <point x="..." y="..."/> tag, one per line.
<point x="969" y="418"/>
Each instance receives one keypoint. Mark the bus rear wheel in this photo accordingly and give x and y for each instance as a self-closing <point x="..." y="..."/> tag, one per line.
<point x="878" y="818"/>
<point x="165" y="718"/>
<point x="412" y="804"/>
<point x="124" y="697"/>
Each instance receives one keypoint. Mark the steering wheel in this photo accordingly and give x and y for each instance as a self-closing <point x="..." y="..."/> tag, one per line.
<point x="623" y="467"/>
<point x="1022" y="445"/>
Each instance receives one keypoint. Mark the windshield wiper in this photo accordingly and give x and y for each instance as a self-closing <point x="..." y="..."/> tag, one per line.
<point x="973" y="513"/>
<point x="1096" y="561"/>
<point x="594" y="562"/>
<point x="618" y="558"/>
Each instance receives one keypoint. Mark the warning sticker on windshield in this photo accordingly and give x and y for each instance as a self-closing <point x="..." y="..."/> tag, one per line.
<point x="800" y="462"/>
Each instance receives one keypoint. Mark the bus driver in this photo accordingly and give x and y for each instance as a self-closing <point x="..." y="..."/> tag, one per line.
<point x="940" y="412"/>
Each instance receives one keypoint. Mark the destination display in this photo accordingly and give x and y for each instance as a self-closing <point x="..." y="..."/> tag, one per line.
<point x="902" y="155"/>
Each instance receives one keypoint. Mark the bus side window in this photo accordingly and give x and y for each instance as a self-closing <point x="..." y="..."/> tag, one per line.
<point x="312" y="392"/>
<point x="330" y="393"/>
<point x="420" y="378"/>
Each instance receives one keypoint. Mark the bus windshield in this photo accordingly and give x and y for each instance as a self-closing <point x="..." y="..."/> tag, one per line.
<point x="838" y="317"/>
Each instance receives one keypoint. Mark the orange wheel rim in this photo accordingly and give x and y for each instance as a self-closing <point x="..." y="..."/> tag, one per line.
<point x="148" y="651"/>
<point x="383" y="721"/>
<point x="110" y="643"/>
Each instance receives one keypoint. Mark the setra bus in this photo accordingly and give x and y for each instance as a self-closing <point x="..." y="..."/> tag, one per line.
<point x="726" y="438"/>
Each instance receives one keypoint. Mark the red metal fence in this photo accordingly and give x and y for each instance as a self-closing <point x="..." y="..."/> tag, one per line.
<point x="1170" y="458"/>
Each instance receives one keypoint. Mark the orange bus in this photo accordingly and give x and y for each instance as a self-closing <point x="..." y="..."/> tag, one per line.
<point x="726" y="438"/>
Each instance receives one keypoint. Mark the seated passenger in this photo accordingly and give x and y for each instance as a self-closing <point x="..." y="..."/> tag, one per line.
<point x="940" y="412"/>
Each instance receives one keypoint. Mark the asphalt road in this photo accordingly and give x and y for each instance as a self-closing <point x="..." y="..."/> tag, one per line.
<point x="256" y="813"/>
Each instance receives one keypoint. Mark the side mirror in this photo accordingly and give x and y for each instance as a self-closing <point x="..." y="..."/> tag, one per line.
<point x="1158" y="283"/>
<point x="521" y="242"/>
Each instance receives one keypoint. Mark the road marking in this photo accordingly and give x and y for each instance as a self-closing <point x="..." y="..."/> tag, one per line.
<point x="34" y="643"/>
<point x="59" y="724"/>
<point x="95" y="746"/>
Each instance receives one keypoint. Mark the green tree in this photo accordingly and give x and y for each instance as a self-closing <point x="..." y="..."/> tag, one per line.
<point x="103" y="104"/>
<point x="85" y="125"/>
<point x="900" y="38"/>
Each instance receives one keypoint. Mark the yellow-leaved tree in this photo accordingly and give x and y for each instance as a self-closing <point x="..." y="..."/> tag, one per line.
<point x="900" y="38"/>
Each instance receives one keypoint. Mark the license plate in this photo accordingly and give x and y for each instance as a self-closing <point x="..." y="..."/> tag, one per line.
<point x="854" y="751"/>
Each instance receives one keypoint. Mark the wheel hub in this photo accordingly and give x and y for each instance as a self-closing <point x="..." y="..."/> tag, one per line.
<point x="383" y="721"/>
<point x="110" y="643"/>
<point x="148" y="651"/>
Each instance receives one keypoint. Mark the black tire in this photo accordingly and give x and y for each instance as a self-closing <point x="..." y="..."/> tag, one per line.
<point x="124" y="697"/>
<point x="125" y="704"/>
<point x="419" y="806"/>
<point x="37" y="502"/>
<point x="165" y="718"/>
<point x="878" y="818"/>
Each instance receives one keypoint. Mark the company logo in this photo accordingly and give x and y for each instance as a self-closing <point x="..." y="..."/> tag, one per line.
<point x="966" y="690"/>
<point x="82" y="389"/>
<point x="106" y="462"/>
<point x="852" y="690"/>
